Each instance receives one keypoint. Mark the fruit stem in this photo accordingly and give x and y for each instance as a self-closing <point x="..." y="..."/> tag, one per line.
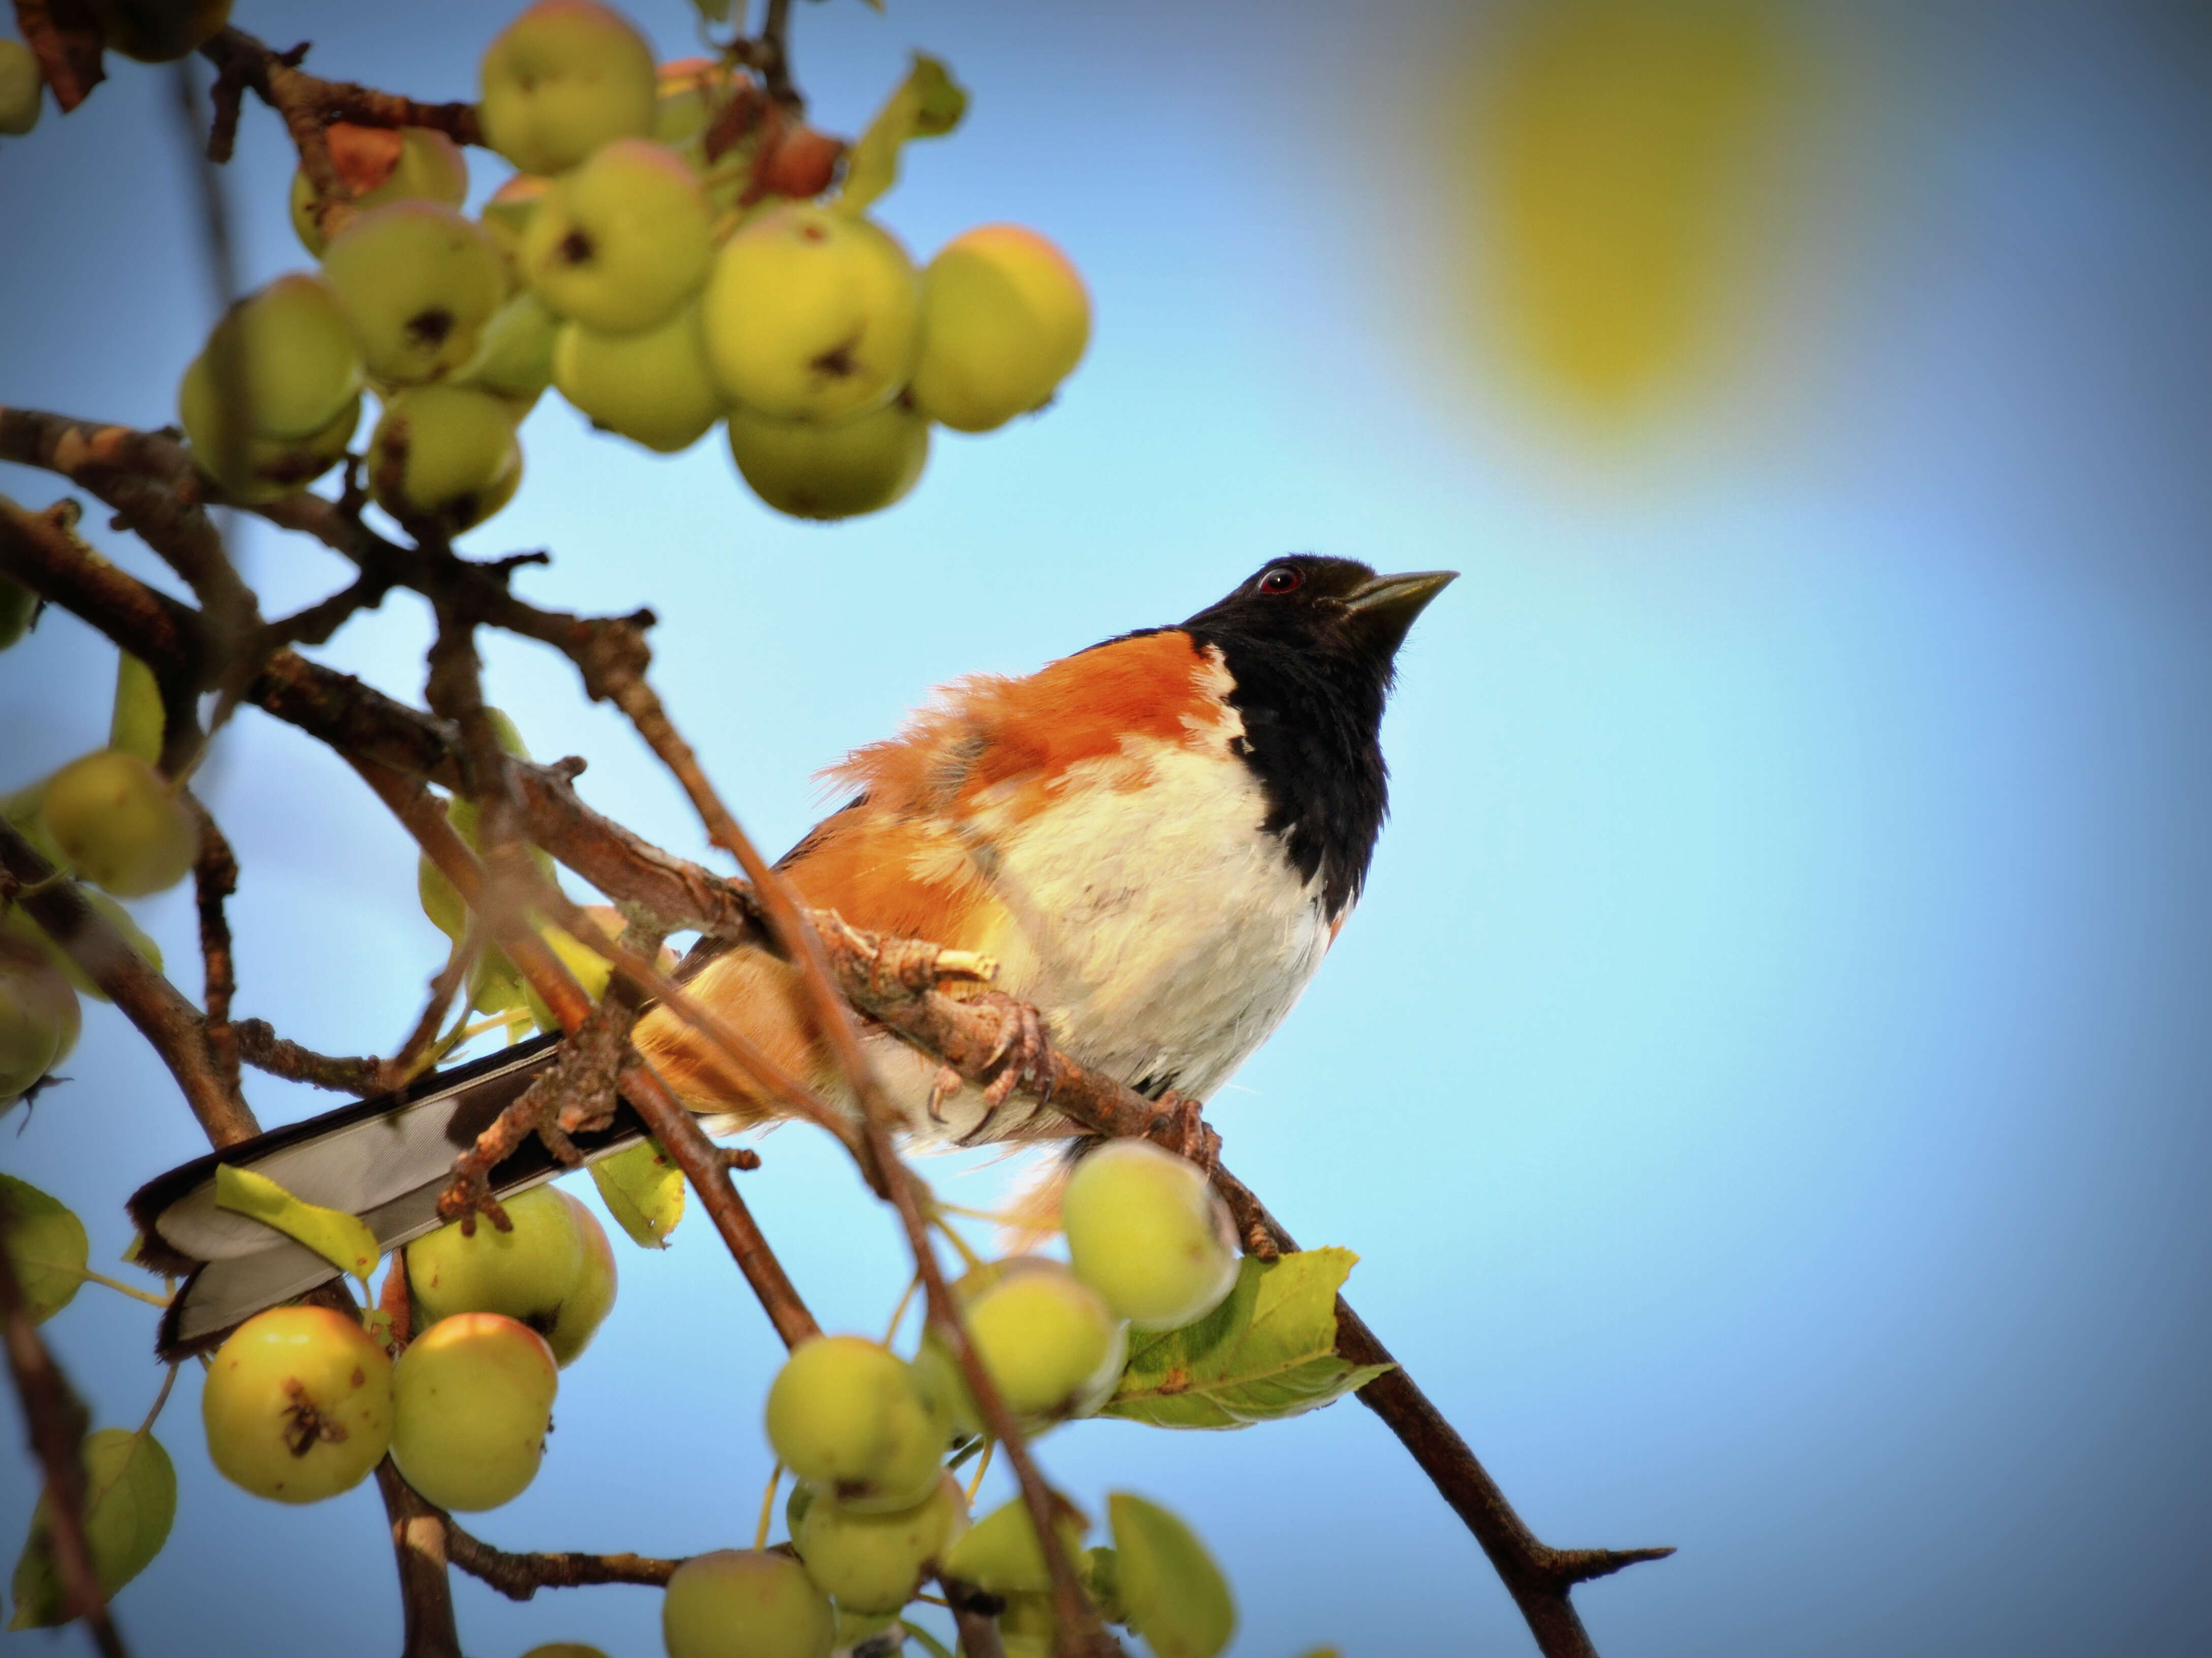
<point x="991" y="1215"/>
<point x="983" y="1467"/>
<point x="121" y="1288"/>
<point x="898" y="1312"/>
<point x="969" y="1257"/>
<point x="160" y="1400"/>
<point x="768" y="1507"/>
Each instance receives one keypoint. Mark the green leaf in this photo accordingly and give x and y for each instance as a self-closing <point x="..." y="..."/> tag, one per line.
<point x="712" y="11"/>
<point x="343" y="1240"/>
<point x="137" y="725"/>
<point x="1000" y="1553"/>
<point x="494" y="985"/>
<point x="929" y="104"/>
<point x="46" y="1243"/>
<point x="1267" y="1351"/>
<point x="130" y="1500"/>
<point x="1175" y="1596"/>
<point x="643" y="1190"/>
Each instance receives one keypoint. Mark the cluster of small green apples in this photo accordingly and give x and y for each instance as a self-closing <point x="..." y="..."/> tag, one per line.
<point x="867" y="1433"/>
<point x="109" y="817"/>
<point x="656" y="286"/>
<point x="302" y="1402"/>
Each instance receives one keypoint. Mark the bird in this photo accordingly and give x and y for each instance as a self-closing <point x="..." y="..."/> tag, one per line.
<point x="1158" y="838"/>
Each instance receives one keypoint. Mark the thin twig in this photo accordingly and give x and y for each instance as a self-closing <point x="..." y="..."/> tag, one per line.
<point x="520" y="1576"/>
<point x="214" y="878"/>
<point x="260" y="1047"/>
<point x="55" y="1421"/>
<point x="363" y="725"/>
<point x="308" y="105"/>
<point x="420" y="1047"/>
<point x="68" y="48"/>
<point x="234" y="613"/>
<point x="769" y="55"/>
<point x="336" y="100"/>
<point x="1081" y="1631"/>
<point x="675" y="1129"/>
<point x="150" y="1001"/>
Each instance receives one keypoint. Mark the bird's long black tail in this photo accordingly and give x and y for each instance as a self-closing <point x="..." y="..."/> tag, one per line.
<point x="384" y="1159"/>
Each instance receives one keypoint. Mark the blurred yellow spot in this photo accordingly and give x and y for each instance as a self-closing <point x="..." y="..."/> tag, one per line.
<point x="1617" y="161"/>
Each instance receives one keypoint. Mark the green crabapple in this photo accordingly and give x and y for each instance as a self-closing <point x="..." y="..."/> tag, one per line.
<point x="298" y="1404"/>
<point x="472" y="1401"/>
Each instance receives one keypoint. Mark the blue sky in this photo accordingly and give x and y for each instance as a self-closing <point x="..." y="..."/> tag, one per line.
<point x="1765" y="1080"/>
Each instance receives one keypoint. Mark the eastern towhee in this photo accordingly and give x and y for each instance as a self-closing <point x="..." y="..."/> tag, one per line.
<point x="1158" y="838"/>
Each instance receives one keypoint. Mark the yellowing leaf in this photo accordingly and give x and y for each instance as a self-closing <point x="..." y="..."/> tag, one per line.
<point x="643" y="1190"/>
<point x="1175" y="1596"/>
<point x="1267" y="1351"/>
<point x="929" y="104"/>
<point x="130" y="1500"/>
<point x="46" y="1243"/>
<point x="343" y="1240"/>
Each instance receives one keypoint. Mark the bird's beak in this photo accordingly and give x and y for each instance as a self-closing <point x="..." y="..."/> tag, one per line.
<point x="1395" y="600"/>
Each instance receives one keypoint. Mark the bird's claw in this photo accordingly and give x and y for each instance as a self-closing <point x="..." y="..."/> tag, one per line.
<point x="942" y="1087"/>
<point x="1023" y="1053"/>
<point x="1182" y="1130"/>
<point x="468" y="1195"/>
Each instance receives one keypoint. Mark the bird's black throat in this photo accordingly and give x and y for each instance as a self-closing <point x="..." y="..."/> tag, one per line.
<point x="1312" y="670"/>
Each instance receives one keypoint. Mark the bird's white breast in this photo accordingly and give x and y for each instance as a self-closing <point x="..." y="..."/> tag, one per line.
<point x="1159" y="928"/>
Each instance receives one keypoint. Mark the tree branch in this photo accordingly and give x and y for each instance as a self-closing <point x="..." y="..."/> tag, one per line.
<point x="68" y="49"/>
<point x="260" y="1047"/>
<point x="676" y="1129"/>
<point x="520" y="1576"/>
<point x="214" y="878"/>
<point x="892" y="982"/>
<point x="308" y="103"/>
<point x="1080" y="1633"/>
<point x="768" y="56"/>
<point x="418" y="1548"/>
<point x="150" y="1001"/>
<point x="55" y="1421"/>
<point x="334" y="100"/>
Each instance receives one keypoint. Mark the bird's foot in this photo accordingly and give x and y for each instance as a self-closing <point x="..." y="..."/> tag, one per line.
<point x="942" y="1087"/>
<point x="468" y="1195"/>
<point x="573" y="1095"/>
<point x="1182" y="1130"/>
<point x="1023" y="1054"/>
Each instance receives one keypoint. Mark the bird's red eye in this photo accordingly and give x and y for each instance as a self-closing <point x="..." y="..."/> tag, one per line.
<point x="1283" y="578"/>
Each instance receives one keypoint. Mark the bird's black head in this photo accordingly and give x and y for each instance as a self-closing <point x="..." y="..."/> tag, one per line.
<point x="1311" y="643"/>
<point x="1336" y="610"/>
